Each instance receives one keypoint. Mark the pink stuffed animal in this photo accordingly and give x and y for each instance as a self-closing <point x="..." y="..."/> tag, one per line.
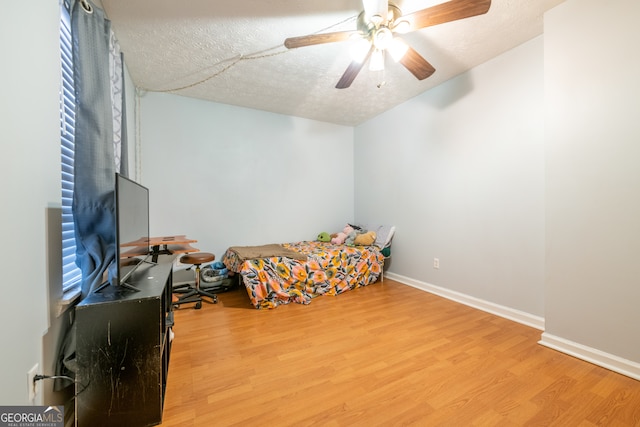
<point x="339" y="238"/>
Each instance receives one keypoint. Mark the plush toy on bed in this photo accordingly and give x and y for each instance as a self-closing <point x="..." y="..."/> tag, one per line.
<point x="365" y="239"/>
<point x="339" y="238"/>
<point x="351" y="238"/>
<point x="360" y="237"/>
<point x="324" y="237"/>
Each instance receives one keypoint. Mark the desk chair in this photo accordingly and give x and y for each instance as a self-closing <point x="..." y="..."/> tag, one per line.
<point x="194" y="293"/>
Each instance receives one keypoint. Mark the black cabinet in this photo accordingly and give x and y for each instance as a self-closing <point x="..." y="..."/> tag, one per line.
<point x="122" y="350"/>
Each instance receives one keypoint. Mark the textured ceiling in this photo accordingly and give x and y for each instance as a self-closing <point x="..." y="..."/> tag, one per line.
<point x="232" y="52"/>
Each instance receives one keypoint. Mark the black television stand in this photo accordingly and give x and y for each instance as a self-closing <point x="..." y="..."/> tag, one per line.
<point x="123" y="347"/>
<point x="123" y="284"/>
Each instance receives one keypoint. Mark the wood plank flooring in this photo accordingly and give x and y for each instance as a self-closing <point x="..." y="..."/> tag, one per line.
<point x="383" y="355"/>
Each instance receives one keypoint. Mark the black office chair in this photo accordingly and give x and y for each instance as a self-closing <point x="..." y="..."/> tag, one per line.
<point x="195" y="294"/>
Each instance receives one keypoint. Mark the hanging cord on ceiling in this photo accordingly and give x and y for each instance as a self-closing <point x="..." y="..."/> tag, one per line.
<point x="240" y="57"/>
<point x="337" y="24"/>
<point x="233" y="61"/>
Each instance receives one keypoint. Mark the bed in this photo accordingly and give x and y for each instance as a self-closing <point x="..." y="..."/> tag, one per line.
<point x="298" y="272"/>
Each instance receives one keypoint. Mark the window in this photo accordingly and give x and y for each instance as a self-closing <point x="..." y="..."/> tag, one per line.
<point x="71" y="274"/>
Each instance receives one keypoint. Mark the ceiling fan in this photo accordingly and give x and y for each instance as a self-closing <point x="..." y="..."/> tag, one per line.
<point x="379" y="26"/>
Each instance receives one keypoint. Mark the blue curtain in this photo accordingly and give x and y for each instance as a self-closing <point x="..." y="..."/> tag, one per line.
<point x="94" y="165"/>
<point x="99" y="128"/>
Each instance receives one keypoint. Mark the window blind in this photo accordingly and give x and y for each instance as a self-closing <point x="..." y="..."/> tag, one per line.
<point x="71" y="274"/>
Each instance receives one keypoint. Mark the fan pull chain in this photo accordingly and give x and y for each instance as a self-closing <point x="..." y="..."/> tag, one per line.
<point x="382" y="81"/>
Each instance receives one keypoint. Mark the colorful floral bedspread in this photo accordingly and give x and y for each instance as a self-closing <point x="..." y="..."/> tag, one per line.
<point x="329" y="270"/>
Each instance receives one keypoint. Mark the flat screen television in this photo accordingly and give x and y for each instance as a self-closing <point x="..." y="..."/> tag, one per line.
<point x="132" y="228"/>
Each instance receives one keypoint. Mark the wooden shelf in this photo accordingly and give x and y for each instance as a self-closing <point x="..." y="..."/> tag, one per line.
<point x="164" y="245"/>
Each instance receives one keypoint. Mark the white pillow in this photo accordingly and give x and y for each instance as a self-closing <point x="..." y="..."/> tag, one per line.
<point x="384" y="234"/>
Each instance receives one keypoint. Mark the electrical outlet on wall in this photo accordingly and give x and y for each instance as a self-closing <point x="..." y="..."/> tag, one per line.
<point x="436" y="263"/>
<point x="31" y="383"/>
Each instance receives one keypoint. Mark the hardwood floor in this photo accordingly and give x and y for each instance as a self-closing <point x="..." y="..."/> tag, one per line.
<point x="386" y="354"/>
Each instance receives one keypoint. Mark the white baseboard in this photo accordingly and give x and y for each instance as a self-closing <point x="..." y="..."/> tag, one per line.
<point x="597" y="357"/>
<point x="592" y="355"/>
<point x="522" y="317"/>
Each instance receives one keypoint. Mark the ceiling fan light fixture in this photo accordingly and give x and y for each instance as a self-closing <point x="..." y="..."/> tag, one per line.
<point x="360" y="49"/>
<point x="377" y="61"/>
<point x="382" y="38"/>
<point x="397" y="48"/>
<point x="376" y="20"/>
<point x="401" y="26"/>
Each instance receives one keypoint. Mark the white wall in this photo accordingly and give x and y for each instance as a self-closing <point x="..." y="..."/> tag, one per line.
<point x="228" y="176"/>
<point x="30" y="176"/>
<point x="460" y="171"/>
<point x="593" y="175"/>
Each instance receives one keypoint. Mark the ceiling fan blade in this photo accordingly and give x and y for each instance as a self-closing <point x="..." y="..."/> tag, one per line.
<point x="446" y="12"/>
<point x="415" y="63"/>
<point x="352" y="71"/>
<point x="311" y="39"/>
